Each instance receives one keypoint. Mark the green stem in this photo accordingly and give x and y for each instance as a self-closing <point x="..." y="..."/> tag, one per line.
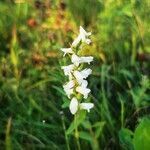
<point x="64" y="128"/>
<point x="94" y="143"/>
<point x="122" y="113"/>
<point x="76" y="132"/>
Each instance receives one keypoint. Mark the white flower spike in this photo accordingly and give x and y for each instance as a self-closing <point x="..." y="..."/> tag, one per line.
<point x="77" y="74"/>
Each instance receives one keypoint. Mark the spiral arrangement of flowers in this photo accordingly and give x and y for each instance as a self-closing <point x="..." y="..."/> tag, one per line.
<point x="77" y="75"/>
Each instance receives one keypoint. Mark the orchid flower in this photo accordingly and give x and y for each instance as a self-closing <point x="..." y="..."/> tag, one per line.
<point x="80" y="75"/>
<point x="83" y="36"/>
<point x="83" y="90"/>
<point x="67" y="50"/>
<point x="68" y="88"/>
<point x="78" y="60"/>
<point x="68" y="70"/>
<point x="74" y="106"/>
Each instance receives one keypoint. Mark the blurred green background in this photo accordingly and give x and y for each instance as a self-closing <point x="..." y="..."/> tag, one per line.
<point x="34" y="110"/>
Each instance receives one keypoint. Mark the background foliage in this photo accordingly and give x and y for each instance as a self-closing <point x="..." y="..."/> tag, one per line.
<point x="33" y="106"/>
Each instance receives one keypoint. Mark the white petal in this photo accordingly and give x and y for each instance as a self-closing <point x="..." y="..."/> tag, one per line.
<point x="83" y="36"/>
<point x="68" y="92"/>
<point x="82" y="31"/>
<point x="76" y="60"/>
<point x="78" y="76"/>
<point x="70" y="84"/>
<point x="86" y="59"/>
<point x="68" y="88"/>
<point x="86" y="72"/>
<point x="73" y="105"/>
<point x="76" y="41"/>
<point x="68" y="69"/>
<point x="81" y="75"/>
<point x="83" y="90"/>
<point x="84" y="83"/>
<point x="67" y="50"/>
<point x="86" y="106"/>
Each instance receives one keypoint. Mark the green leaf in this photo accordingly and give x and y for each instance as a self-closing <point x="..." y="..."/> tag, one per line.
<point x="79" y="119"/>
<point x="99" y="127"/>
<point x="85" y="136"/>
<point x="60" y="90"/>
<point x="141" y="139"/>
<point x="125" y="137"/>
<point x="65" y="104"/>
<point x="127" y="10"/>
<point x="86" y="124"/>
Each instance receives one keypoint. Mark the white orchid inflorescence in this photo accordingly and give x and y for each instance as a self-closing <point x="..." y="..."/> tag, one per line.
<point x="77" y="78"/>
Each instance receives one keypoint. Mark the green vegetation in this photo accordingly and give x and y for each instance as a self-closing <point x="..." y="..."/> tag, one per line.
<point x="34" y="110"/>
